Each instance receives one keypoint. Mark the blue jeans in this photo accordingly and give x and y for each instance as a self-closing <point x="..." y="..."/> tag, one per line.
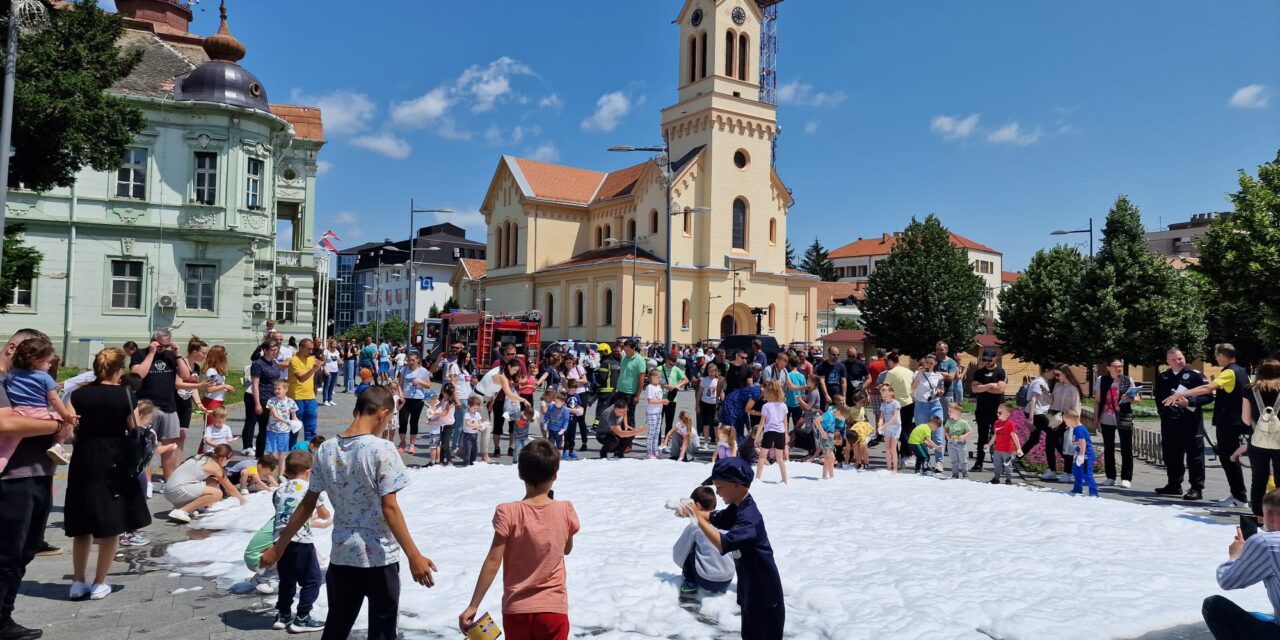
<point x="298" y="567"/>
<point x="349" y="378"/>
<point x="468" y="448"/>
<point x="519" y="443"/>
<point x="1084" y="475"/>
<point x="926" y="410"/>
<point x="458" y="415"/>
<point x="307" y="413"/>
<point x="330" y="379"/>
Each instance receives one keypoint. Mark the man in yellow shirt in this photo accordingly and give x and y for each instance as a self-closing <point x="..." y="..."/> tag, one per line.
<point x="302" y="387"/>
<point x="900" y="377"/>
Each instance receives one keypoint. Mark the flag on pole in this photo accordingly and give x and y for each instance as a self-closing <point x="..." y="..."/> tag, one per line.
<point x="331" y="235"/>
<point x="328" y="245"/>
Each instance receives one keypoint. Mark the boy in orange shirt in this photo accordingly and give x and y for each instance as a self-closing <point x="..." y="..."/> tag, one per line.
<point x="531" y="537"/>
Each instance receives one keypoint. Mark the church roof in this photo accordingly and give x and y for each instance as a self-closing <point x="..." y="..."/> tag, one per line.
<point x="862" y="248"/>
<point x="605" y="255"/>
<point x="560" y="183"/>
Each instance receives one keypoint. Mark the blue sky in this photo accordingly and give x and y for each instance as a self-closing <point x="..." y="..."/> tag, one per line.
<point x="1006" y="118"/>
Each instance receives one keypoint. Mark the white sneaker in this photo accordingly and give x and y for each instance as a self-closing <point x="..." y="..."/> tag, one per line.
<point x="1229" y="501"/>
<point x="1109" y="482"/>
<point x="178" y="515"/>
<point x="151" y="489"/>
<point x="100" y="591"/>
<point x="80" y="590"/>
<point x="248" y="453"/>
<point x="1049" y="476"/>
<point x="937" y="467"/>
<point x="1123" y="484"/>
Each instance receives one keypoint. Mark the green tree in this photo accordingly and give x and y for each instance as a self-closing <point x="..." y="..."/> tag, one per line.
<point x="848" y="323"/>
<point x="63" y="119"/>
<point x="1132" y="303"/>
<point x="791" y="255"/>
<point x="392" y="330"/>
<point x="1240" y="266"/>
<point x="21" y="263"/>
<point x="1038" y="312"/>
<point x="923" y="292"/>
<point x="449" y="305"/>
<point x="815" y="261"/>
<point x="434" y="312"/>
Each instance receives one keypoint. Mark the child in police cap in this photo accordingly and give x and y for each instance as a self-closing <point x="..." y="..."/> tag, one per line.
<point x="759" y="586"/>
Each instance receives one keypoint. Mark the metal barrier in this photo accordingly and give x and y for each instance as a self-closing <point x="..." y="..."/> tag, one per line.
<point x="1147" y="445"/>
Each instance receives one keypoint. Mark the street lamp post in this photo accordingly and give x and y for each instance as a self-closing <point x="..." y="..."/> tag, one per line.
<point x="667" y="178"/>
<point x="1061" y="232"/>
<point x="413" y="261"/>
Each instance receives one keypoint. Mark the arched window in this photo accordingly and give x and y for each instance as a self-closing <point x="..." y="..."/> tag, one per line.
<point x="631" y="229"/>
<point x="608" y="307"/>
<point x="579" y="309"/>
<point x="599" y="238"/>
<point x="773" y="231"/>
<point x="743" y="52"/>
<point x="773" y="317"/>
<point x="550" y="311"/>
<point x="702" y="41"/>
<point x="513" y="246"/>
<point x="728" y="52"/>
<point x="653" y="221"/>
<point x="688" y="222"/>
<point x="693" y="58"/>
<point x="500" y="243"/>
<point x="684" y="313"/>
<point x="739" y="223"/>
<point x="608" y="232"/>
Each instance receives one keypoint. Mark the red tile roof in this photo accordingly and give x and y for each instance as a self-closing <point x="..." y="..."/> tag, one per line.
<point x="305" y="120"/>
<point x="840" y="291"/>
<point x="845" y="335"/>
<point x="557" y="182"/>
<point x="882" y="245"/>
<point x="619" y="183"/>
<point x="475" y="268"/>
<point x="1180" y="263"/>
<point x="1009" y="276"/>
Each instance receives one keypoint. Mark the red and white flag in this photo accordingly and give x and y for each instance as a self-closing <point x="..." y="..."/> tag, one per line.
<point x="331" y="235"/>
<point x="328" y="245"/>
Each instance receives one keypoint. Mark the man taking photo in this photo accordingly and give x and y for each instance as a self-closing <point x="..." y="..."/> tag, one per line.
<point x="1249" y="562"/>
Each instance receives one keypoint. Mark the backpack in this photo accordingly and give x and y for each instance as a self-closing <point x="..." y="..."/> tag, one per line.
<point x="1266" y="428"/>
<point x="138" y="448"/>
<point x="1020" y="400"/>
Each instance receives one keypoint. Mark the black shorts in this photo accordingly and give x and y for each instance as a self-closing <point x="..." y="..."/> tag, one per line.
<point x="773" y="440"/>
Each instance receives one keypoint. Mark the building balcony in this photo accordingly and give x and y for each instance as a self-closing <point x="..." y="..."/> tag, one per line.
<point x="294" y="259"/>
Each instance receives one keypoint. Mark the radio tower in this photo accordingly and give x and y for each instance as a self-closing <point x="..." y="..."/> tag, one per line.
<point x="768" y="59"/>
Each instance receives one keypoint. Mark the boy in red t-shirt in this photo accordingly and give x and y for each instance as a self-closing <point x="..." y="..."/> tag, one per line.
<point x="531" y="537"/>
<point x="1004" y="445"/>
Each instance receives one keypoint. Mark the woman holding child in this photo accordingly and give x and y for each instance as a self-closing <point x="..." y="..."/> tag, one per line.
<point x="102" y="501"/>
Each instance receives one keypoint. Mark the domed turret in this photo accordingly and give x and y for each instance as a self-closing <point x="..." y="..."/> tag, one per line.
<point x="221" y="79"/>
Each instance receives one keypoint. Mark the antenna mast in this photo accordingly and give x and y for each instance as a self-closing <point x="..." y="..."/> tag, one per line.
<point x="768" y="61"/>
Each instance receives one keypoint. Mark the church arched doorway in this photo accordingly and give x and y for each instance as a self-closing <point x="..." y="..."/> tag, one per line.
<point x="737" y="319"/>
<point x="726" y="326"/>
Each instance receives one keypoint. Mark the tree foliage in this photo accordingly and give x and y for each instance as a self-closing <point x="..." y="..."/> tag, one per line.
<point x="815" y="261"/>
<point x="21" y="263"/>
<point x="1240" y="267"/>
<point x="1132" y="303"/>
<point x="393" y="330"/>
<point x="923" y="292"/>
<point x="848" y="323"/>
<point x="1038" y="312"/>
<point x="791" y="255"/>
<point x="63" y="119"/>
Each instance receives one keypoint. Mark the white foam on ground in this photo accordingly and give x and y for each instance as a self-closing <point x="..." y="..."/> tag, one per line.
<point x="866" y="555"/>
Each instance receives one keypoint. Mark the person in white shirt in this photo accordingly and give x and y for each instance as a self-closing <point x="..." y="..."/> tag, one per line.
<point x="1250" y="562"/>
<point x="332" y="359"/>
<point x="703" y="566"/>
<point x="1039" y="398"/>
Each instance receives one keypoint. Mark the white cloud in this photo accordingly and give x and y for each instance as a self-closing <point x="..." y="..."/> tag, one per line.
<point x="802" y="94"/>
<point x="811" y="127"/>
<point x="423" y="110"/>
<point x="1252" y="96"/>
<point x="546" y="152"/>
<point x="610" y="109"/>
<point x="344" y="112"/>
<point x="323" y="167"/>
<point x="493" y="135"/>
<point x="490" y="84"/>
<point x="954" y="127"/>
<point x="552" y="101"/>
<point x="449" y="130"/>
<point x="346" y="217"/>
<point x="385" y="143"/>
<point x="1013" y="134"/>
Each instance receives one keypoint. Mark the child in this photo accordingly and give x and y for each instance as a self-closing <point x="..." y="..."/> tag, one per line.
<point x="726" y="444"/>
<point x="520" y="431"/>
<point x="362" y="474"/>
<point x="655" y="401"/>
<point x="32" y="393"/>
<point x="890" y="426"/>
<point x="390" y="429"/>
<point x="1082" y="464"/>
<point x="958" y="434"/>
<point x="298" y="566"/>
<point x="366" y="381"/>
<point x="216" y="431"/>
<point x="310" y="446"/>
<point x="759" y="586"/>
<point x="771" y="434"/>
<point x="531" y="537"/>
<point x="680" y="431"/>
<point x="441" y="415"/>
<point x="826" y="429"/>
<point x="921" y="443"/>
<point x="283" y="411"/>
<point x="472" y="424"/>
<point x="556" y="416"/>
<point x="861" y="432"/>
<point x="254" y="475"/>
<point x="702" y="564"/>
<point x="1004" y="445"/>
<point x="143" y="411"/>
<point x="578" y="420"/>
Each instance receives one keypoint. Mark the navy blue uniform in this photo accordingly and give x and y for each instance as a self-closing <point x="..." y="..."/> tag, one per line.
<point x="1180" y="427"/>
<point x="759" y="586"/>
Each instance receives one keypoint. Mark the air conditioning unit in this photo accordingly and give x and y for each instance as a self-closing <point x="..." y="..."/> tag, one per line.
<point x="167" y="301"/>
<point x="260" y="307"/>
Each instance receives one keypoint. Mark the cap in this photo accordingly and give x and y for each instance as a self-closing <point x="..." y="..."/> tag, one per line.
<point x="756" y="366"/>
<point x="734" y="470"/>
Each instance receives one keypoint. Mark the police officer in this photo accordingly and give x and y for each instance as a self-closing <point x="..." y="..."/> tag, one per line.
<point x="1181" y="425"/>
<point x="1227" y="389"/>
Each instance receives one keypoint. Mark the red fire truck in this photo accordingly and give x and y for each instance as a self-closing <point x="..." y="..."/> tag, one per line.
<point x="481" y="333"/>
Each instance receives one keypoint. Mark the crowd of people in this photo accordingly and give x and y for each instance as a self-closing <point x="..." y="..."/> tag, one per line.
<point x="751" y="411"/>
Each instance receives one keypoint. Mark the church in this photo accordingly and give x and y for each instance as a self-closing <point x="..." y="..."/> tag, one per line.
<point x="588" y="248"/>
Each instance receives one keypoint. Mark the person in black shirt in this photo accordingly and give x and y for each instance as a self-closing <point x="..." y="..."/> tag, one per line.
<point x="158" y="366"/>
<point x="738" y="372"/>
<point x="831" y="377"/>
<point x="1228" y="390"/>
<point x="855" y="371"/>
<point x="1180" y="426"/>
<point x="989" y="382"/>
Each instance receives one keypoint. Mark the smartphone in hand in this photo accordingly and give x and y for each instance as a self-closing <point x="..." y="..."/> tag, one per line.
<point x="1248" y="526"/>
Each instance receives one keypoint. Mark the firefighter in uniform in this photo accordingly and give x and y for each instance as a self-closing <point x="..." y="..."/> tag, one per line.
<point x="1181" y="426"/>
